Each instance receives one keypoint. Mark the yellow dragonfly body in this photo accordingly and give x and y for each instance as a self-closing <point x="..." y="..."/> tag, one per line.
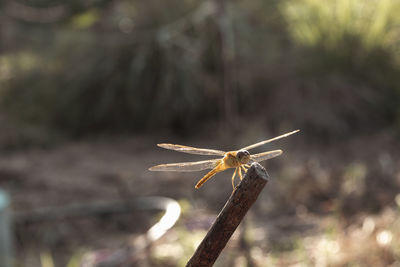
<point x="238" y="159"/>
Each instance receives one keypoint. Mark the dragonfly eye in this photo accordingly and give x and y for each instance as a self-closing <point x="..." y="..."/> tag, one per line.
<point x="243" y="156"/>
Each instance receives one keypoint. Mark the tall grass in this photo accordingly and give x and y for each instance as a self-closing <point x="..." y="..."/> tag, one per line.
<point x="113" y="68"/>
<point x="356" y="44"/>
<point x="91" y="73"/>
<point x="331" y="23"/>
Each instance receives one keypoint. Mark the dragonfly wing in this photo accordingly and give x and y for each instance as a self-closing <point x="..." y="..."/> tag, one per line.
<point x="192" y="150"/>
<point x="187" y="166"/>
<point x="266" y="155"/>
<point x="269" y="140"/>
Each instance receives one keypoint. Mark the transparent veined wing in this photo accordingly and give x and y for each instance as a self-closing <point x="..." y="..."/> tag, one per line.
<point x="269" y="140"/>
<point x="192" y="150"/>
<point x="187" y="166"/>
<point x="266" y="155"/>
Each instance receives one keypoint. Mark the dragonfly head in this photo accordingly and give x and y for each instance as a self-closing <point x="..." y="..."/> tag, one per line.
<point x="243" y="156"/>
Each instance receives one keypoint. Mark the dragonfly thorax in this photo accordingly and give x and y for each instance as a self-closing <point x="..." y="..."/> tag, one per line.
<point x="234" y="159"/>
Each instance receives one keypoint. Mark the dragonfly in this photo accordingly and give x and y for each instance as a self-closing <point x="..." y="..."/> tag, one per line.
<point x="238" y="159"/>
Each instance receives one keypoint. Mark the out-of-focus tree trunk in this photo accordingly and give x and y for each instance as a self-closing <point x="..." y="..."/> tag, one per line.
<point x="227" y="66"/>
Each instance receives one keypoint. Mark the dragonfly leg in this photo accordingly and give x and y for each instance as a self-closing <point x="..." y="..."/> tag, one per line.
<point x="240" y="173"/>
<point x="233" y="178"/>
<point x="244" y="168"/>
<point x="247" y="165"/>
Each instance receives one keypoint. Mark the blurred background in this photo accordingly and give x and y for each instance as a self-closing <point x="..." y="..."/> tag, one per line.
<point x="88" y="88"/>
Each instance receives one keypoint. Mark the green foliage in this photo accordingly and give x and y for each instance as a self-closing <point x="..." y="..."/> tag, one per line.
<point x="352" y="43"/>
<point x="121" y="66"/>
<point x="332" y="24"/>
<point x="351" y="34"/>
<point x="115" y="81"/>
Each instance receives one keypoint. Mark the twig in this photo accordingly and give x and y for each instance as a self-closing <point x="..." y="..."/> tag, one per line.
<point x="230" y="217"/>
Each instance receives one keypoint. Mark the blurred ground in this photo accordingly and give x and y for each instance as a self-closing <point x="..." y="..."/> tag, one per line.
<point x="325" y="205"/>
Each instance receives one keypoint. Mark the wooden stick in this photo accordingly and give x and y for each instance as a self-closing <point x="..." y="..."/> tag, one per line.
<point x="230" y="217"/>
